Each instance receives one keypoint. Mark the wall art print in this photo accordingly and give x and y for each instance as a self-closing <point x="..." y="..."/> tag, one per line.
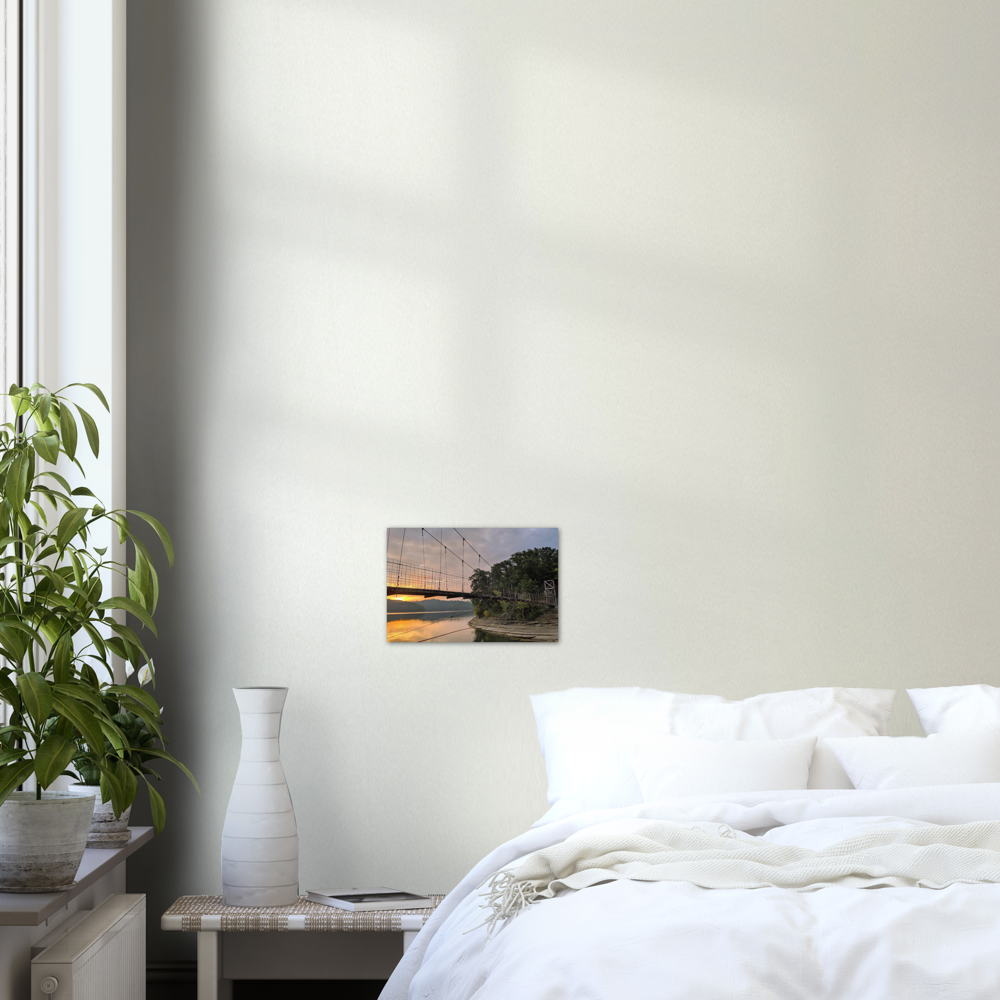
<point x="472" y="585"/>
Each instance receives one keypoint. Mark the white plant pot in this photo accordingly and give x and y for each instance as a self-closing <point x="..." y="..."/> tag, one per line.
<point x="260" y="841"/>
<point x="106" y="832"/>
<point x="42" y="841"/>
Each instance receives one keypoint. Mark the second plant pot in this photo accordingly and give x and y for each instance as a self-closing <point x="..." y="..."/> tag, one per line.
<point x="105" y="831"/>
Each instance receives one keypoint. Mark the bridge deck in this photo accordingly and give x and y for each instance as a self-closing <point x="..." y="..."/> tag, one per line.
<point x="468" y="595"/>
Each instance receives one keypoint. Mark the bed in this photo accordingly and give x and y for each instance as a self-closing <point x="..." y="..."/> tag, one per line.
<point x="890" y="889"/>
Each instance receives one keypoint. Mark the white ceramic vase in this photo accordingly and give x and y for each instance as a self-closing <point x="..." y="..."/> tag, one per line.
<point x="260" y="842"/>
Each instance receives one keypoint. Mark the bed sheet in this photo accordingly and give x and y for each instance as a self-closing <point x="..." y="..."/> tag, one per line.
<point x="675" y="941"/>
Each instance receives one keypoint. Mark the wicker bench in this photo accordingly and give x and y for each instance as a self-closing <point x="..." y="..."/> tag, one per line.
<point x="237" y="942"/>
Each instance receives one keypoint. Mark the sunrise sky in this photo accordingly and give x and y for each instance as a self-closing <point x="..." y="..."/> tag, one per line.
<point x="492" y="544"/>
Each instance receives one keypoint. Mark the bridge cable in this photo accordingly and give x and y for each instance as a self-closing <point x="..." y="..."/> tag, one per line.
<point x="400" y="556"/>
<point x="471" y="546"/>
<point x="431" y="638"/>
<point x="444" y="548"/>
<point x="430" y="534"/>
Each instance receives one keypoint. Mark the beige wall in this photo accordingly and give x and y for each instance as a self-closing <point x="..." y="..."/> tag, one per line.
<point x="712" y="287"/>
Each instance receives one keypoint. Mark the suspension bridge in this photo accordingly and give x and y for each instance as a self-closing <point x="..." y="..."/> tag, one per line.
<point x="406" y="578"/>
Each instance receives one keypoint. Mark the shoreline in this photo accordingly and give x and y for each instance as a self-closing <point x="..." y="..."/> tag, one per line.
<point x="542" y="629"/>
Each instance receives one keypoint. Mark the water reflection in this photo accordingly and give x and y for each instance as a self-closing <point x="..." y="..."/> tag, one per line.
<point x="437" y="627"/>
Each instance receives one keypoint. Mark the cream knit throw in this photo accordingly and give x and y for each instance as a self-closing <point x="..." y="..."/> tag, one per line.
<point x="931" y="857"/>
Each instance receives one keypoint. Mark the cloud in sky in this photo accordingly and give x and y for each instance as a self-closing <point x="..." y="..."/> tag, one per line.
<point x="482" y="546"/>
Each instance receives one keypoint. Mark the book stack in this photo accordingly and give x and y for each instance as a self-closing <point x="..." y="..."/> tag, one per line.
<point x="379" y="898"/>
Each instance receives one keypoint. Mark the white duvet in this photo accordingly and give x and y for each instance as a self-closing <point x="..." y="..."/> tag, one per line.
<point x="640" y="940"/>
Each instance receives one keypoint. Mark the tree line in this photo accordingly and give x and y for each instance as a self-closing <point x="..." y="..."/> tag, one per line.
<point x="524" y="572"/>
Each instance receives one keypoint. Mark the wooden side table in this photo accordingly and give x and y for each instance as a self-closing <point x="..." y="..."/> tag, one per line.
<point x="237" y="942"/>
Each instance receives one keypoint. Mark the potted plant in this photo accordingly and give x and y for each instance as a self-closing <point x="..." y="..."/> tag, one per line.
<point x="57" y="638"/>
<point x="108" y="830"/>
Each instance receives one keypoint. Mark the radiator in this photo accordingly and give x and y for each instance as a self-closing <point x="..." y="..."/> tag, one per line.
<point x="98" y="956"/>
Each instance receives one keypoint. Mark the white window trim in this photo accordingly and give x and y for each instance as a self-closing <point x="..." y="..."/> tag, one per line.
<point x="10" y="196"/>
<point x="64" y="201"/>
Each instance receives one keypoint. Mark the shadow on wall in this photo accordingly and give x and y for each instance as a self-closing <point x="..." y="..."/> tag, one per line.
<point x="156" y="423"/>
<point x="710" y="282"/>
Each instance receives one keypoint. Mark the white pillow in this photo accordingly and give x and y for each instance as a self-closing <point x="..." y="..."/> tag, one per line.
<point x="956" y="709"/>
<point x="879" y="762"/>
<point x="671" y="766"/>
<point x="586" y="734"/>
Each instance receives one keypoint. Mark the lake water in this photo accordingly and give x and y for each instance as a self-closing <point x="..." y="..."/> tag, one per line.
<point x="448" y="626"/>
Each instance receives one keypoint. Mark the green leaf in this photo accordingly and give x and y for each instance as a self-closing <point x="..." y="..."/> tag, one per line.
<point x="85" y="721"/>
<point x="43" y="401"/>
<point x="111" y="788"/>
<point x="132" y="607"/>
<point x="77" y="569"/>
<point x="104" y="785"/>
<point x="70" y="433"/>
<point x="29" y="473"/>
<point x="58" y="585"/>
<point x="59" y="479"/>
<point x="91" y="428"/>
<point x="16" y="485"/>
<point x="20" y="627"/>
<point x="9" y="756"/>
<point x="9" y="692"/>
<point x="114" y="734"/>
<point x="36" y="695"/>
<point x="62" y="660"/>
<point x="150" y="718"/>
<point x="96" y="639"/>
<point x="130" y="783"/>
<point x="20" y="397"/>
<point x="142" y="586"/>
<point x="13" y="775"/>
<point x="117" y="646"/>
<point x="173" y="760"/>
<point x="136" y="650"/>
<point x="38" y="506"/>
<point x="93" y="388"/>
<point x="156" y="807"/>
<point x="26" y="527"/>
<point x="12" y="645"/>
<point x="137" y="694"/>
<point x="61" y="726"/>
<point x="70" y="523"/>
<point x="81" y="692"/>
<point x="123" y="526"/>
<point x="52" y="758"/>
<point x="12" y="640"/>
<point x="46" y="445"/>
<point x="161" y="533"/>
